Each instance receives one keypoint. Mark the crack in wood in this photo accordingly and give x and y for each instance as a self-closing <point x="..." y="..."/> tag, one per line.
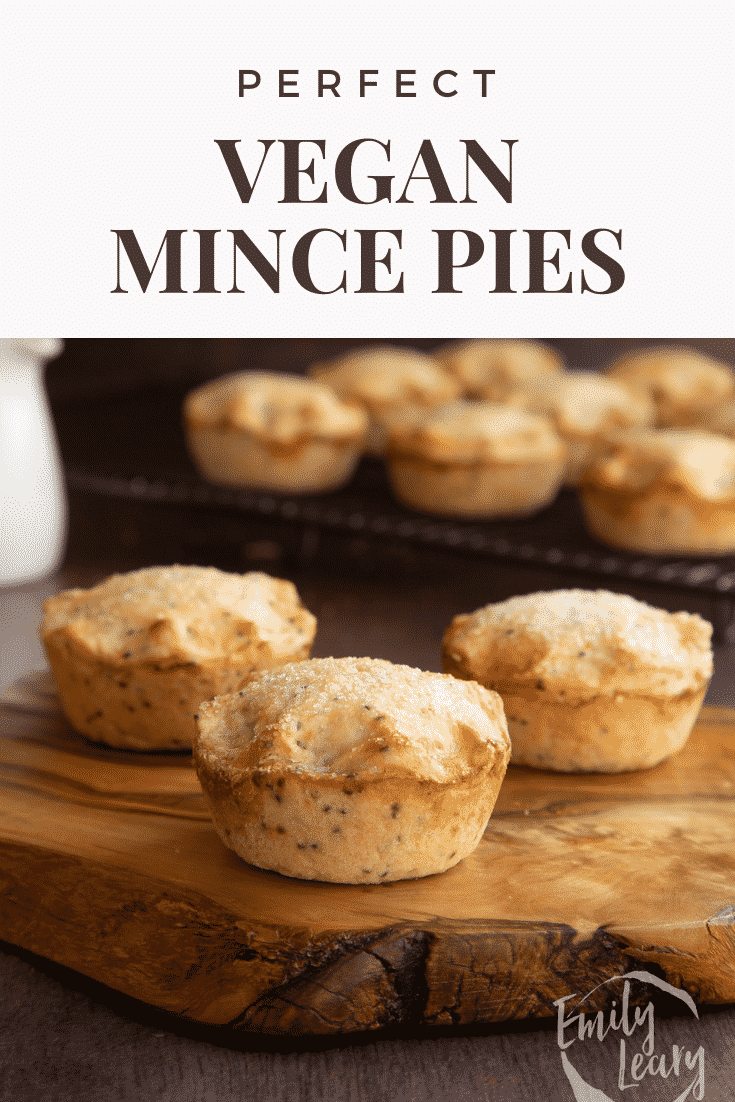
<point x="152" y="904"/>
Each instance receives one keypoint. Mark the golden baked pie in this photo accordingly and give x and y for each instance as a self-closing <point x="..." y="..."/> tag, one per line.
<point x="274" y="432"/>
<point x="475" y="459"/>
<point x="134" y="656"/>
<point x="591" y="681"/>
<point x="352" y="770"/>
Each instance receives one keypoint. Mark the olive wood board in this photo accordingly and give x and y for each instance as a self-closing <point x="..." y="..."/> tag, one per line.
<point x="109" y="865"/>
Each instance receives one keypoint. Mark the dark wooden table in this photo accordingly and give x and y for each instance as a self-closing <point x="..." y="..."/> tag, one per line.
<point x="65" y="1036"/>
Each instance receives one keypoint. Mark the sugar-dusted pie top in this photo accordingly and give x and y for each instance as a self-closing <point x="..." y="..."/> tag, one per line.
<point x="581" y="642"/>
<point x="280" y="409"/>
<point x="181" y="614"/>
<point x="356" y="717"/>
<point x="467" y="432"/>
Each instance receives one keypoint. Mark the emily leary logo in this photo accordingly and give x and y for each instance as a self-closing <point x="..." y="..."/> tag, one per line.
<point x="683" y="1068"/>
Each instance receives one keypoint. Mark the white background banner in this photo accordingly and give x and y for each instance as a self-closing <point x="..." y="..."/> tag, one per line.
<point x="621" y="119"/>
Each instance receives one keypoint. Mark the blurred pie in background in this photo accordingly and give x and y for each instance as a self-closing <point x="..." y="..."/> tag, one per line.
<point x="476" y="459"/>
<point x="273" y="432"/>
<point x="686" y="385"/>
<point x="390" y="383"/>
<point x="494" y="370"/>
<point x="587" y="410"/>
<point x="663" y="491"/>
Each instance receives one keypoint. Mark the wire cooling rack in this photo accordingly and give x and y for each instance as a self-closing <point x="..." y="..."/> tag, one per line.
<point x="132" y="447"/>
<point x="553" y="538"/>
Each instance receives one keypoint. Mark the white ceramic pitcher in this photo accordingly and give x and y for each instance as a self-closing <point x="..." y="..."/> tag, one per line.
<point x="32" y="497"/>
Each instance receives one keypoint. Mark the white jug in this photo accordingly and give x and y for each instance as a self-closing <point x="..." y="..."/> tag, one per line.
<point x="32" y="497"/>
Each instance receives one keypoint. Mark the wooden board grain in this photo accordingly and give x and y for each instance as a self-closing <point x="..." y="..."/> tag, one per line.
<point x="109" y="864"/>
